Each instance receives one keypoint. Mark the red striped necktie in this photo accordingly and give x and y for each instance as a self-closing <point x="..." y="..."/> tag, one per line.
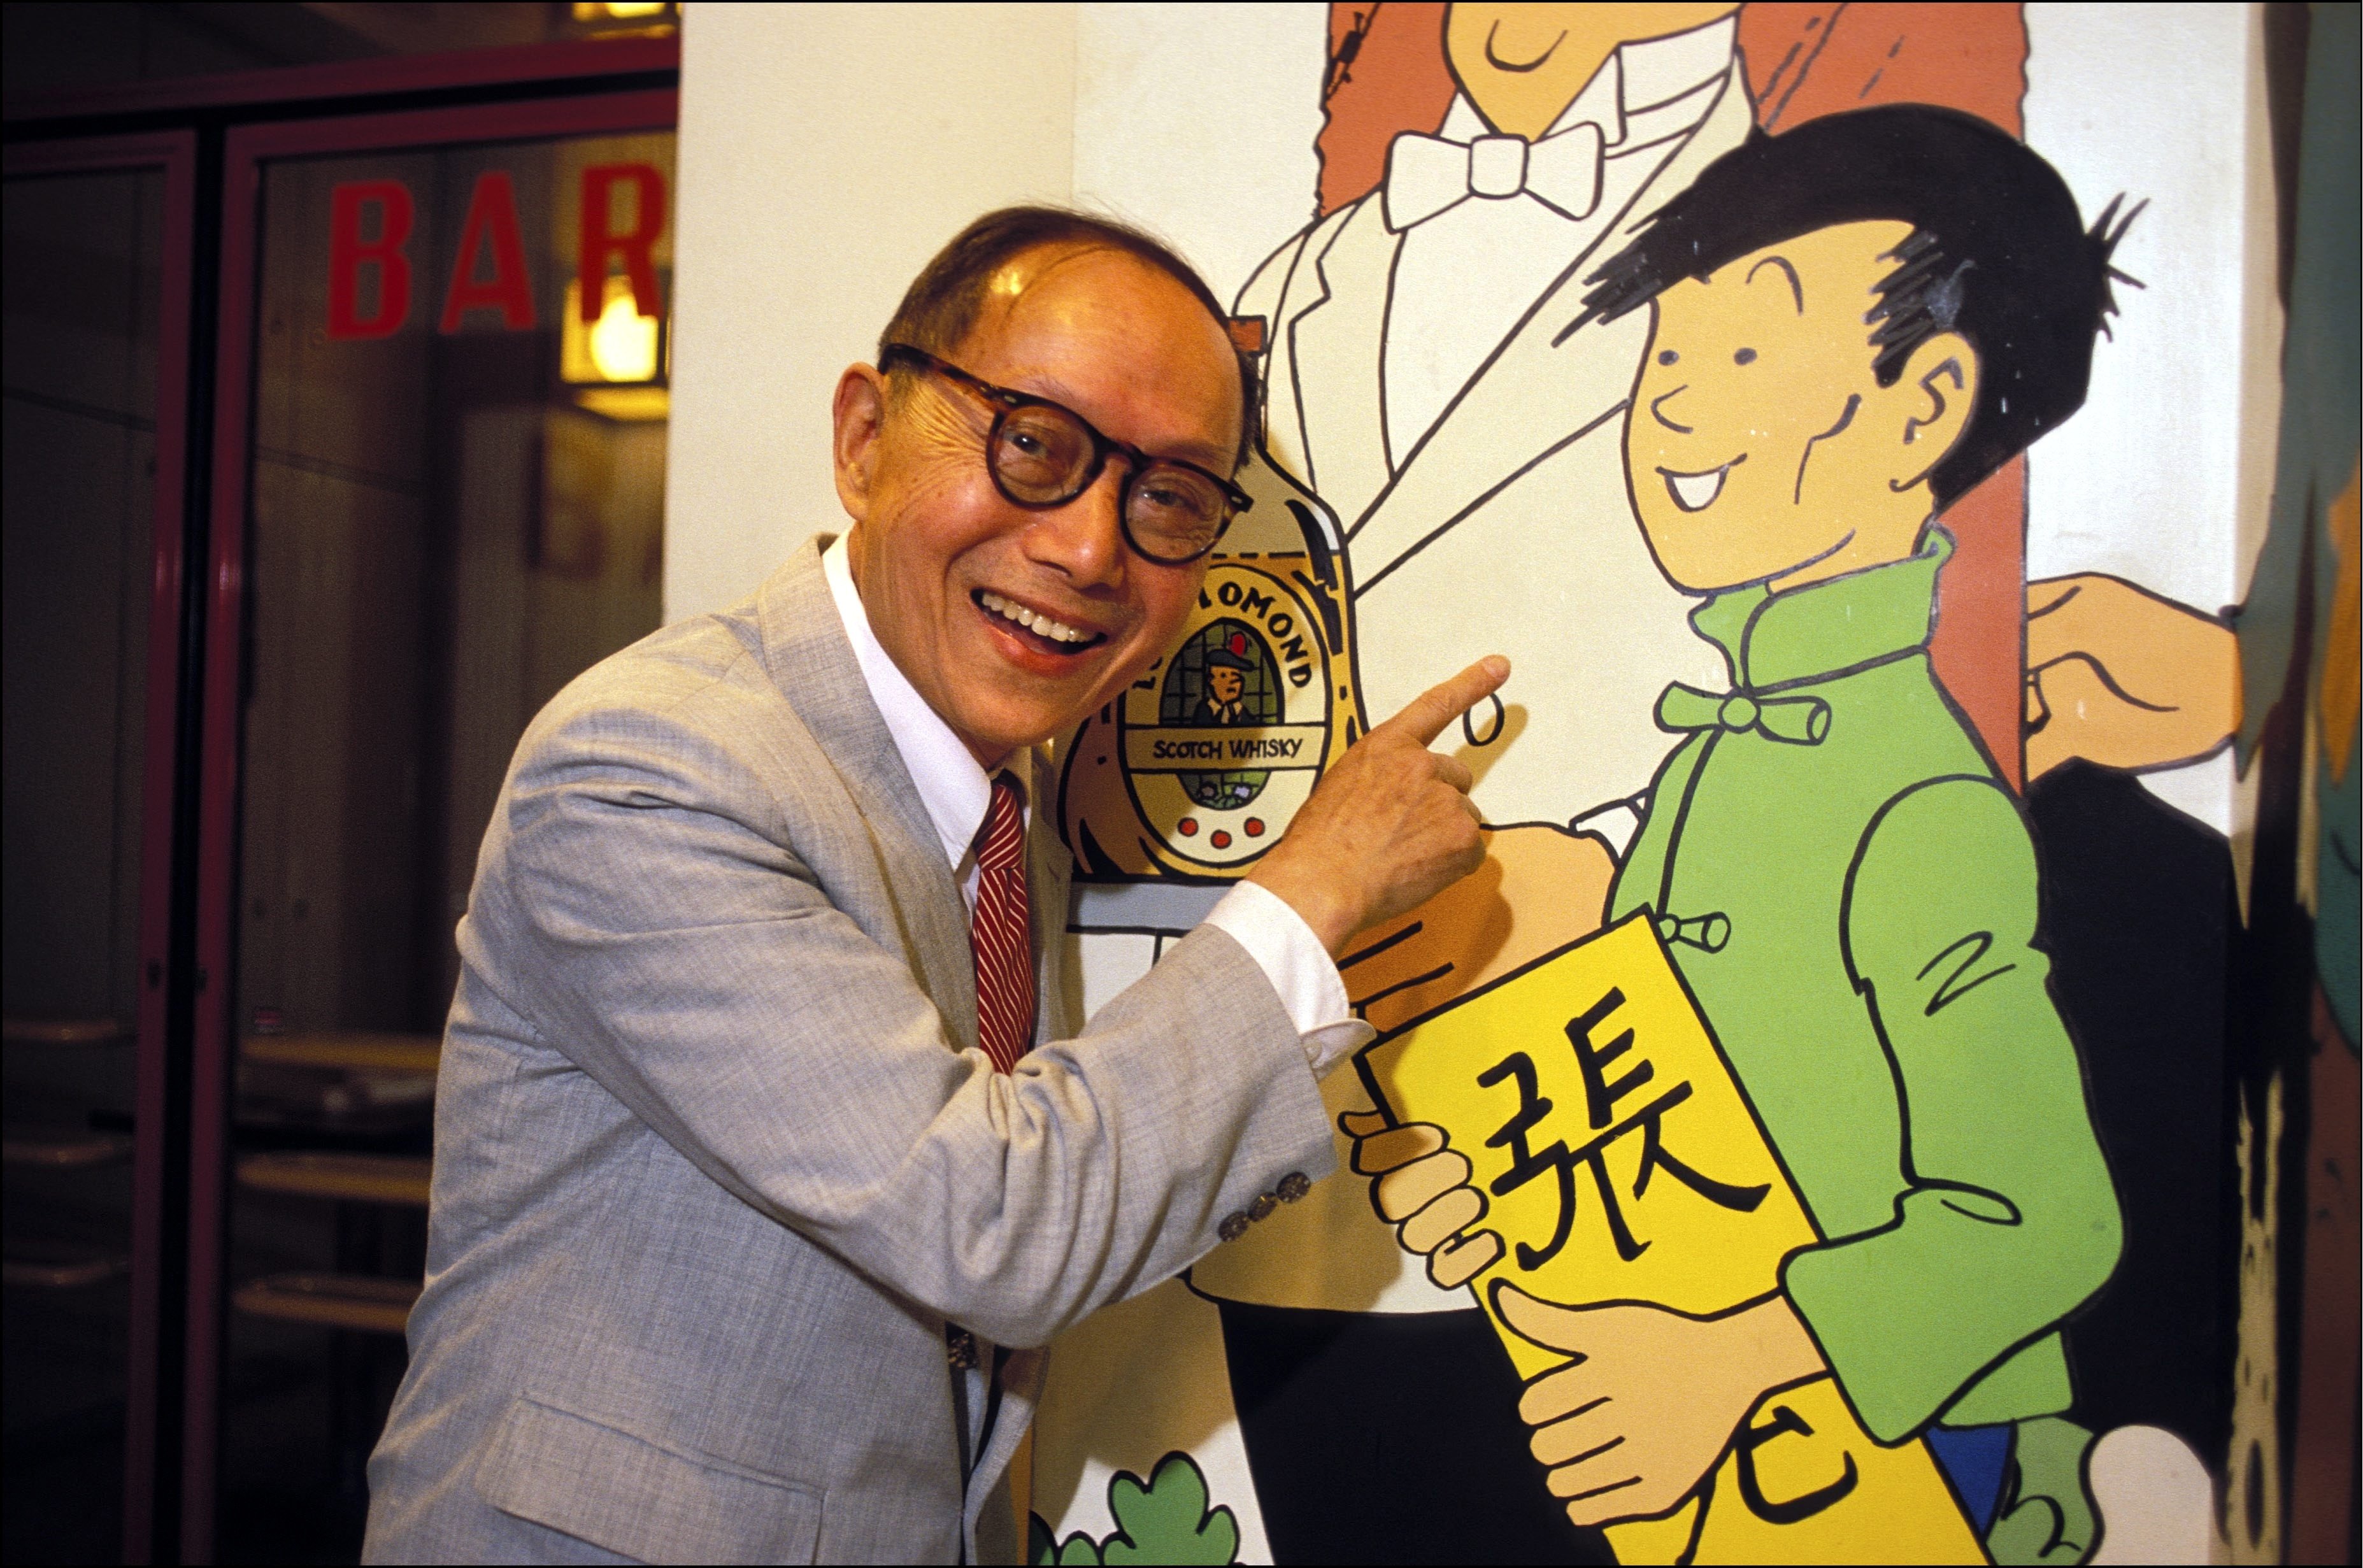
<point x="1000" y="931"/>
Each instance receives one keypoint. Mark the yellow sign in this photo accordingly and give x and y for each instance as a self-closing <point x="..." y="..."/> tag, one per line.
<point x="1622" y="1163"/>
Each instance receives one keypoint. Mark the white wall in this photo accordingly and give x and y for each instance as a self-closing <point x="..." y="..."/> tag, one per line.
<point x="827" y="151"/>
<point x="1223" y="102"/>
<point x="2164" y="476"/>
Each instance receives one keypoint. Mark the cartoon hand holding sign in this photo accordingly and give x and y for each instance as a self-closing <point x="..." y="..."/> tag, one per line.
<point x="1636" y="1220"/>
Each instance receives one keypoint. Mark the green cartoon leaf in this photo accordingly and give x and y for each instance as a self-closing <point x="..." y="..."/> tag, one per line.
<point x="1168" y="1520"/>
<point x="1043" y="1551"/>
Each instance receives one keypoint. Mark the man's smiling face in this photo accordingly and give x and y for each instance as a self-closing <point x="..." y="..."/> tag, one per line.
<point x="1012" y="623"/>
<point x="1759" y="443"/>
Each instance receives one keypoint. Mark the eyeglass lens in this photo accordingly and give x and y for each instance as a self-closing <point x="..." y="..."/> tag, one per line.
<point x="1043" y="457"/>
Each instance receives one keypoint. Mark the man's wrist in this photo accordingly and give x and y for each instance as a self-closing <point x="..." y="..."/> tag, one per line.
<point x="1333" y="921"/>
<point x="1303" y="974"/>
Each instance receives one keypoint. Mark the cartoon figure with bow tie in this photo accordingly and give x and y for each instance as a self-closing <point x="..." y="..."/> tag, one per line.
<point x="1465" y="456"/>
<point x="1419" y="383"/>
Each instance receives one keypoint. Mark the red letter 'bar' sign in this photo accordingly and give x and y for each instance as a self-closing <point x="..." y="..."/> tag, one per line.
<point x="600" y="242"/>
<point x="348" y="252"/>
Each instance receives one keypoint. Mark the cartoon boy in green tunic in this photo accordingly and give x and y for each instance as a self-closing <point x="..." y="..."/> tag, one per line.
<point x="1854" y="323"/>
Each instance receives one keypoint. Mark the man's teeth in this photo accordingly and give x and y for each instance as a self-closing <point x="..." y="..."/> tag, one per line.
<point x="1695" y="492"/>
<point x="1041" y="624"/>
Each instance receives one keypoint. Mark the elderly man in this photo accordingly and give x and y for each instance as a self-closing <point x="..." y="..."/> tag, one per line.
<point x="767" y="1149"/>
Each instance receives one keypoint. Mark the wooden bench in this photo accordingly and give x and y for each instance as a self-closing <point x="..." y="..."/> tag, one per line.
<point x="59" y="1265"/>
<point x="361" y="1303"/>
<point x="344" y="1178"/>
<point x="64" y="1032"/>
<point x="354" y="1050"/>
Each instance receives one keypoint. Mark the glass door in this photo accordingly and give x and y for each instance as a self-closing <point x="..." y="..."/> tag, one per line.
<point x="95" y="373"/>
<point x="446" y="443"/>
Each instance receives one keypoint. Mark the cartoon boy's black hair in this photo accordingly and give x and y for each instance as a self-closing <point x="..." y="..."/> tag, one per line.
<point x="1997" y="253"/>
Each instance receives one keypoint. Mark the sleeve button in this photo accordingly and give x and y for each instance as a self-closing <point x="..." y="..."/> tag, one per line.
<point x="1261" y="1210"/>
<point x="1233" y="1227"/>
<point x="1295" y="1185"/>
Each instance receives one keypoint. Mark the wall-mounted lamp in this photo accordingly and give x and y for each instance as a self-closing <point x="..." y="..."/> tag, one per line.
<point x="622" y="348"/>
<point x="617" y="363"/>
<point x="623" y="13"/>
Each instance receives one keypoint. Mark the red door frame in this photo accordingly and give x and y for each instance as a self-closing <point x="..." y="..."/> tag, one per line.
<point x="248" y="148"/>
<point x="510" y="67"/>
<point x="175" y="153"/>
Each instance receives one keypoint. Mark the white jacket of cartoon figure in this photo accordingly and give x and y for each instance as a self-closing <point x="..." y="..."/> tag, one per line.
<point x="1507" y="528"/>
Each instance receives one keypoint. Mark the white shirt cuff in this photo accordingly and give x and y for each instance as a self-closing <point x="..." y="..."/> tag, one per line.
<point x="1300" y="969"/>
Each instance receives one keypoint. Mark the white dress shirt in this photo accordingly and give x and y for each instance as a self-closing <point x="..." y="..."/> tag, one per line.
<point x="957" y="794"/>
<point x="1464" y="277"/>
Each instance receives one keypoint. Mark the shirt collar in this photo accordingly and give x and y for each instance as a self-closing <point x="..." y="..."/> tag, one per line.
<point x="1662" y="69"/>
<point x="955" y="791"/>
<point x="1661" y="79"/>
<point x="1827" y="628"/>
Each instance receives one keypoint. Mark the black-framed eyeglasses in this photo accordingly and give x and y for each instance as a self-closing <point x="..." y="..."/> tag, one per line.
<point x="1043" y="454"/>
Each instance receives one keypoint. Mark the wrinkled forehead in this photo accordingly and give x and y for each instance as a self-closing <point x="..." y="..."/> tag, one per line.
<point x="1119" y="340"/>
<point x="1065" y="287"/>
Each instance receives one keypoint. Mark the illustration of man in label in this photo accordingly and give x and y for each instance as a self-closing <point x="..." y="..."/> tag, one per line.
<point x="1225" y="682"/>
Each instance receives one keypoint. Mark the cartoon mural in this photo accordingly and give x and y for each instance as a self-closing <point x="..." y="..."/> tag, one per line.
<point x="1500" y="416"/>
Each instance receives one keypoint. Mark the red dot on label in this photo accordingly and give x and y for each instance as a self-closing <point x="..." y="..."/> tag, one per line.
<point x="1221" y="839"/>
<point x="1189" y="827"/>
<point x="1255" y="826"/>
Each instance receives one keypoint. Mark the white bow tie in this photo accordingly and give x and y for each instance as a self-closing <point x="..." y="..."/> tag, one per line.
<point x="1426" y="175"/>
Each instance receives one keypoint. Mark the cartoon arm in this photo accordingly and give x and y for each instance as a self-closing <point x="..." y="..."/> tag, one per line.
<point x="1540" y="887"/>
<point x="2009" y="1220"/>
<point x="2121" y="676"/>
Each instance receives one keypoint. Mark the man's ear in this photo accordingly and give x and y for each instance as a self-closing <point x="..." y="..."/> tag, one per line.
<point x="858" y="416"/>
<point x="1937" y="394"/>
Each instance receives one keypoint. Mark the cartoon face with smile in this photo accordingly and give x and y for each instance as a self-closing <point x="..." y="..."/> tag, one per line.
<point x="1523" y="64"/>
<point x="1759" y="445"/>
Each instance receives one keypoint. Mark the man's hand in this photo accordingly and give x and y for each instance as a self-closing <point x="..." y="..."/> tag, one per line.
<point x="1388" y="827"/>
<point x="1421" y="1187"/>
<point x="1540" y="888"/>
<point x="1653" y="1398"/>
<point x="2124" y="677"/>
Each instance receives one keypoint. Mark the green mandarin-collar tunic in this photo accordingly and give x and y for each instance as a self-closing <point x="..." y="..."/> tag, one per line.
<point x="1850" y="892"/>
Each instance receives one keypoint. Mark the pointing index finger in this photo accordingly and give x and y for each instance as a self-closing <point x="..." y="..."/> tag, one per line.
<point x="1425" y="714"/>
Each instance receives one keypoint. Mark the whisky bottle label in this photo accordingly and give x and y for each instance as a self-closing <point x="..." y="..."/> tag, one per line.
<point x="1198" y="767"/>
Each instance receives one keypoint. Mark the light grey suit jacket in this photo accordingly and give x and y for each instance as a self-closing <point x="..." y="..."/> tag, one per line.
<point x="718" y="1157"/>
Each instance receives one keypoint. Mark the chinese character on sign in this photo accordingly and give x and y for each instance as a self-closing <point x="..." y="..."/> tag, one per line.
<point x="1603" y="1098"/>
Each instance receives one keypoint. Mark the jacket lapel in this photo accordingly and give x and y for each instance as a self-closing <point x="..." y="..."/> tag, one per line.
<point x="1334" y="347"/>
<point x="1533" y="396"/>
<point x="805" y="652"/>
<point x="1048" y="868"/>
